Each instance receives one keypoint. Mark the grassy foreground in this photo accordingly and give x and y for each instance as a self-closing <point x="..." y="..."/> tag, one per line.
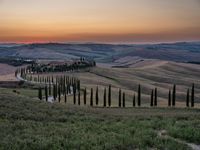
<point x="27" y="123"/>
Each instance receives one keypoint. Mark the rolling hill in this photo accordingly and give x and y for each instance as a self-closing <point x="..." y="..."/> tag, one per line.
<point x="180" y="52"/>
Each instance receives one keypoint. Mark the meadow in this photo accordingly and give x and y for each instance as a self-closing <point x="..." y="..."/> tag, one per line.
<point x="28" y="123"/>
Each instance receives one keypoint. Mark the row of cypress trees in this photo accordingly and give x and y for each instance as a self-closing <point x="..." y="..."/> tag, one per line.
<point x="53" y="86"/>
<point x="153" y="98"/>
<point x="60" y="86"/>
<point x="122" y="97"/>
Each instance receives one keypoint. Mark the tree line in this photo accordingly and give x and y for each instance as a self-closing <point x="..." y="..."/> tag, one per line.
<point x="63" y="67"/>
<point x="94" y="98"/>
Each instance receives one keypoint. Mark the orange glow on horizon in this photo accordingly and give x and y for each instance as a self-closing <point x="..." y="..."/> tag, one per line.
<point x="38" y="21"/>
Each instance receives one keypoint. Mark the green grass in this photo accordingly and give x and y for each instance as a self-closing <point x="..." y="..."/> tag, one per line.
<point x="27" y="123"/>
<point x="28" y="92"/>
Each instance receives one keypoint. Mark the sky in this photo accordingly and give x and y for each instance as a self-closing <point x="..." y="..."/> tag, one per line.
<point x="104" y="21"/>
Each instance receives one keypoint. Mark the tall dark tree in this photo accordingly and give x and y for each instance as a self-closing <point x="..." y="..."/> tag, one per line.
<point x="124" y="99"/>
<point x="65" y="96"/>
<point x="104" y="98"/>
<point x="139" y="95"/>
<point x="85" y="96"/>
<point x="188" y="98"/>
<point x="120" y="96"/>
<point x="151" y="104"/>
<point x="192" y="96"/>
<point x="49" y="88"/>
<point x="155" y="97"/>
<point x="54" y="92"/>
<point x="91" y="97"/>
<point x="46" y="93"/>
<point x="74" y="94"/>
<point x="78" y="85"/>
<point x="97" y="96"/>
<point x="65" y="92"/>
<point x="174" y="96"/>
<point x="169" y="98"/>
<point x="59" y="94"/>
<point x="79" y="98"/>
<point x="40" y="93"/>
<point x="52" y="80"/>
<point x="134" y="100"/>
<point x="68" y="86"/>
<point x="109" y="95"/>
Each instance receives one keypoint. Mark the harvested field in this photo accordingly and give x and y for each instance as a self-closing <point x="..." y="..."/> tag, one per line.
<point x="7" y="72"/>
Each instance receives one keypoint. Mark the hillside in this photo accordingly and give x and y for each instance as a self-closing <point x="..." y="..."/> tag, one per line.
<point x="182" y="52"/>
<point x="148" y="73"/>
<point x="29" y="123"/>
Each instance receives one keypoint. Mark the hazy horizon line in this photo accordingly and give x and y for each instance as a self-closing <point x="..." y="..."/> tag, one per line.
<point x="111" y="43"/>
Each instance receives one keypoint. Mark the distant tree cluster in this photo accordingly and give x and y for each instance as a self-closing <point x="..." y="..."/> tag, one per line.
<point x="62" y="67"/>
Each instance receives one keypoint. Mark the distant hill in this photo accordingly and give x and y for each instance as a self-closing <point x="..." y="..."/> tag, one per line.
<point x="181" y="52"/>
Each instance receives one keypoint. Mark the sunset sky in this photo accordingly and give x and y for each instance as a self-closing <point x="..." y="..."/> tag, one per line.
<point x="112" y="21"/>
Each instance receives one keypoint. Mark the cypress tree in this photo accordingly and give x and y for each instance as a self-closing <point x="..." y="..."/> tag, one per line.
<point x="97" y="96"/>
<point x="59" y="93"/>
<point x="169" y="98"/>
<point x="120" y="92"/>
<point x="174" y="96"/>
<point x="67" y="90"/>
<point x="104" y="98"/>
<point x="123" y="99"/>
<point x="109" y="96"/>
<point x="54" y="92"/>
<point x="61" y="87"/>
<point x="74" y="94"/>
<point x="139" y="95"/>
<point x="151" y="98"/>
<point x="85" y="95"/>
<point x="40" y="93"/>
<point x="156" y="97"/>
<point x="49" y="89"/>
<point x="188" y="98"/>
<point x="65" y="93"/>
<point x="64" y="80"/>
<point x="74" y="98"/>
<point x="192" y="96"/>
<point x="134" y="100"/>
<point x="52" y="80"/>
<point x="65" y="97"/>
<point x="79" y="98"/>
<point x="91" y="97"/>
<point x="46" y="93"/>
<point x="78" y="85"/>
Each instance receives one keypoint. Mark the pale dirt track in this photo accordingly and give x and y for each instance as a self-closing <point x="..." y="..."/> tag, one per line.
<point x="7" y="72"/>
